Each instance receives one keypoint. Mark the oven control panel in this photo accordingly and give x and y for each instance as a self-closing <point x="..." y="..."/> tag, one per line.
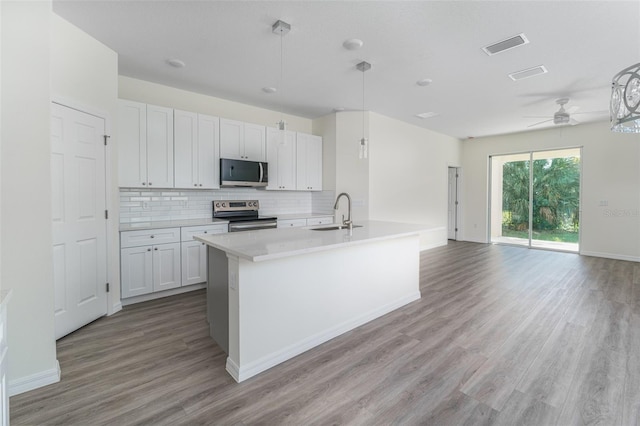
<point x="235" y="205"/>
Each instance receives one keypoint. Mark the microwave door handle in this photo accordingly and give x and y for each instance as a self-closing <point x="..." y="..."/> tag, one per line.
<point x="261" y="172"/>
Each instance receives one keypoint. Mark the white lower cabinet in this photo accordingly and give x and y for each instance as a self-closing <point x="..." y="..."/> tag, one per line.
<point x="147" y="269"/>
<point x="194" y="262"/>
<point x="166" y="266"/>
<point x="194" y="253"/>
<point x="175" y="260"/>
<point x="149" y="261"/>
<point x="136" y="277"/>
<point x="298" y="223"/>
<point x="292" y="223"/>
<point x="314" y="221"/>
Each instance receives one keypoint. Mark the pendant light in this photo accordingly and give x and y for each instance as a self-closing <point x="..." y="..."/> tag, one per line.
<point x="363" y="148"/>
<point x="281" y="28"/>
<point x="625" y="100"/>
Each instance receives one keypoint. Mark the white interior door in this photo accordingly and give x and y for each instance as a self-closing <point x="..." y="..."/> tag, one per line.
<point x="78" y="214"/>
<point x="452" y="227"/>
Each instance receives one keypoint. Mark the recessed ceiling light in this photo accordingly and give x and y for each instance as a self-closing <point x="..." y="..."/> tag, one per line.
<point x="424" y="82"/>
<point x="269" y="89"/>
<point x="176" y="63"/>
<point x="529" y="72"/>
<point x="424" y="115"/>
<point x="506" y="44"/>
<point x="353" y="44"/>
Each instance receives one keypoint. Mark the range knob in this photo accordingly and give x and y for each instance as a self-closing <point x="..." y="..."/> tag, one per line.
<point x="217" y="204"/>
<point x="224" y="204"/>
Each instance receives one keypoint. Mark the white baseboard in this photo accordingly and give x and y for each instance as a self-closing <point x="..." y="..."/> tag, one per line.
<point x="158" y="295"/>
<point x="34" y="381"/>
<point x="611" y="256"/>
<point x="117" y="307"/>
<point x="243" y="373"/>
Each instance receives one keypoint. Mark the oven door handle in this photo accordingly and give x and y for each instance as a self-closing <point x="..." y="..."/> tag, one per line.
<point x="254" y="226"/>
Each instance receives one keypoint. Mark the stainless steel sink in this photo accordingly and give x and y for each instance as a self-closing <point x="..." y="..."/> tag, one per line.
<point x="334" y="227"/>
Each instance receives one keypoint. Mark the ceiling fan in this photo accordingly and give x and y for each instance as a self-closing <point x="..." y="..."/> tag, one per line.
<point x="562" y="116"/>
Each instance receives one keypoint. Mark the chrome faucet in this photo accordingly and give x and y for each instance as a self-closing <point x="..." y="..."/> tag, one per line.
<point x="335" y="207"/>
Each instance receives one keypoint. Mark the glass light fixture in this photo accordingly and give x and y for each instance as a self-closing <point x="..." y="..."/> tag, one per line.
<point x="281" y="28"/>
<point x="625" y="100"/>
<point x="363" y="152"/>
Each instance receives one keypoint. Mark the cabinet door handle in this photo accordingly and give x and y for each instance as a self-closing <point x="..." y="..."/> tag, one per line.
<point x="144" y="183"/>
<point x="205" y="232"/>
<point x="149" y="183"/>
<point x="156" y="248"/>
<point x="195" y="184"/>
<point x="200" y="184"/>
<point x="202" y="243"/>
<point x="151" y="236"/>
<point x="149" y="249"/>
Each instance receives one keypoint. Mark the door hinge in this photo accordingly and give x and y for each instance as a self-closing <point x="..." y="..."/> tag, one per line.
<point x="107" y="287"/>
<point x="456" y="203"/>
<point x="105" y="139"/>
<point x="456" y="229"/>
<point x="457" y="175"/>
<point x="106" y="214"/>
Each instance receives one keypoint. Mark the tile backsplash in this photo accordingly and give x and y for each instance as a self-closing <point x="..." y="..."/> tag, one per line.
<point x="142" y="205"/>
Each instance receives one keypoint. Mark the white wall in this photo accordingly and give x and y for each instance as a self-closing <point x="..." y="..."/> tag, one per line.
<point x="352" y="173"/>
<point x="158" y="94"/>
<point x="610" y="173"/>
<point x="27" y="266"/>
<point x="84" y="74"/>
<point x="326" y="127"/>
<point x="408" y="175"/>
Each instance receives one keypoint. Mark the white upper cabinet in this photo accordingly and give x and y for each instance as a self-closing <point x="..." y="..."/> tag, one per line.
<point x="159" y="147"/>
<point x="242" y="141"/>
<point x="145" y="145"/>
<point x="132" y="144"/>
<point x="209" y="151"/>
<point x="254" y="142"/>
<point x="196" y="150"/>
<point x="309" y="162"/>
<point x="281" y="156"/>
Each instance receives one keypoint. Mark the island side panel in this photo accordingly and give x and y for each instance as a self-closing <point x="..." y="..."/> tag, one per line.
<point x="218" y="297"/>
<point x="289" y="305"/>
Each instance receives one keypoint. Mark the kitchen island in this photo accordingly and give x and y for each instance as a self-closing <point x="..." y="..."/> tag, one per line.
<point x="273" y="294"/>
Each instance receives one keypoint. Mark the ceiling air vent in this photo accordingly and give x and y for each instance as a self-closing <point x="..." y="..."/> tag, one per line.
<point x="507" y="44"/>
<point x="529" y="72"/>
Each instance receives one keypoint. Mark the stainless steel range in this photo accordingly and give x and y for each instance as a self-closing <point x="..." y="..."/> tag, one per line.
<point x="242" y="215"/>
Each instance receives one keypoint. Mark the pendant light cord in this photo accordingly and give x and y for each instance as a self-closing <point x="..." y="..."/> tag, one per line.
<point x="281" y="79"/>
<point x="363" y="107"/>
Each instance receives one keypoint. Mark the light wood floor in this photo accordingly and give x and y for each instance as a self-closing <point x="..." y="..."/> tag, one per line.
<point x="502" y="335"/>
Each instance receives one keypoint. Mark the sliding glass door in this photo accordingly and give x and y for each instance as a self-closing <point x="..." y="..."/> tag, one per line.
<point x="535" y="199"/>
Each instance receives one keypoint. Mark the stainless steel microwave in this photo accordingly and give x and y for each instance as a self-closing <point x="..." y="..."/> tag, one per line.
<point x="234" y="173"/>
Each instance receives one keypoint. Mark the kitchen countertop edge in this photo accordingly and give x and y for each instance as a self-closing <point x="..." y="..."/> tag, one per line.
<point x="245" y="244"/>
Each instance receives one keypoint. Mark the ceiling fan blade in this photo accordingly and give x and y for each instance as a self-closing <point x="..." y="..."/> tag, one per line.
<point x="604" y="111"/>
<point x="573" y="122"/>
<point x="542" y="122"/>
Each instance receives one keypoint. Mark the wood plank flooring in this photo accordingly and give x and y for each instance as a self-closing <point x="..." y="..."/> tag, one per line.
<point x="502" y="335"/>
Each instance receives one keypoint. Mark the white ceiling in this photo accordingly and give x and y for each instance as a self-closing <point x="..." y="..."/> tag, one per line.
<point x="231" y="53"/>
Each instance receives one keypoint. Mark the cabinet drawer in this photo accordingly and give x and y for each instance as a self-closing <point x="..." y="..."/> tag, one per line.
<point x="149" y="237"/>
<point x="292" y="223"/>
<point x="188" y="233"/>
<point x="319" y="221"/>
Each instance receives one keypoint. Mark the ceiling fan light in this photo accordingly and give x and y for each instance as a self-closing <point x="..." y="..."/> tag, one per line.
<point x="625" y="100"/>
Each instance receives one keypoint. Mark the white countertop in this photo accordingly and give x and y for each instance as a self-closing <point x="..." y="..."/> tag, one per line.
<point x="138" y="226"/>
<point x="268" y="244"/>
